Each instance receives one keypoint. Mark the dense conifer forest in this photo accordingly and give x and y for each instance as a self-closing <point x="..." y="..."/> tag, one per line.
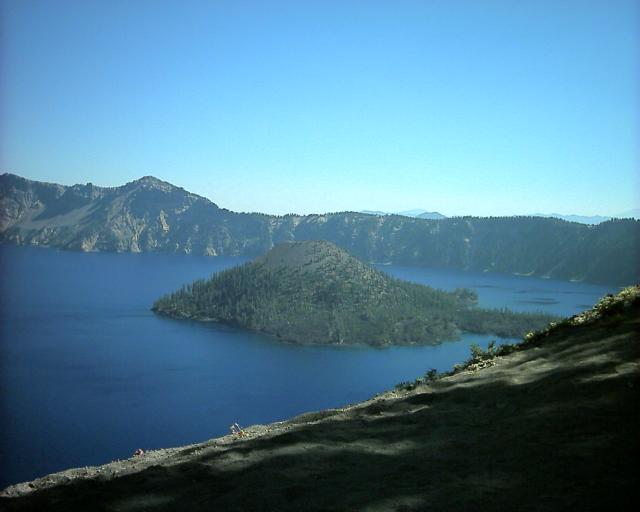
<point x="315" y="293"/>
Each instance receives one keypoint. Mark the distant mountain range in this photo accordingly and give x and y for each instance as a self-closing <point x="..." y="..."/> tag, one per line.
<point x="417" y="214"/>
<point x="151" y="215"/>
<point x="592" y="219"/>
<point x="582" y="219"/>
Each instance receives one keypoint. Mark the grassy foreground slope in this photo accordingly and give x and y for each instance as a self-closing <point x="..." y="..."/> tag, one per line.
<point x="550" y="426"/>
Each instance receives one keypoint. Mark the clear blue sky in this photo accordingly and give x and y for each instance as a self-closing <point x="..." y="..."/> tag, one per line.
<point x="478" y="107"/>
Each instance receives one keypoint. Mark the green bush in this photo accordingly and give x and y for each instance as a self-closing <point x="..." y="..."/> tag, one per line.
<point x="431" y="375"/>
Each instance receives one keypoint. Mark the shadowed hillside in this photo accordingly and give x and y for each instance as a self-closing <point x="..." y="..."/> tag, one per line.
<point x="151" y="215"/>
<point x="550" y="426"/>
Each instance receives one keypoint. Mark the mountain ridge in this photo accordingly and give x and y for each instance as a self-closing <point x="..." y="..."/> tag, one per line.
<point x="590" y="219"/>
<point x="152" y="215"/>
<point x="417" y="213"/>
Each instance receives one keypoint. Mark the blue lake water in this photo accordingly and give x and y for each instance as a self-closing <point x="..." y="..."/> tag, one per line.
<point x="88" y="373"/>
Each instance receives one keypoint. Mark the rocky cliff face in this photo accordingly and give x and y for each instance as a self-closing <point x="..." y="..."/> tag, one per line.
<point x="151" y="215"/>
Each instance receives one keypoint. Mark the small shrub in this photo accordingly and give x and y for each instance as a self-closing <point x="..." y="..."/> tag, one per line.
<point x="431" y="375"/>
<point x="504" y="350"/>
<point x="477" y="354"/>
<point x="405" y="386"/>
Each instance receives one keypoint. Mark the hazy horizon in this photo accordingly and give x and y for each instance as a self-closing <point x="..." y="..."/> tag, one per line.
<point x="409" y="211"/>
<point x="465" y="109"/>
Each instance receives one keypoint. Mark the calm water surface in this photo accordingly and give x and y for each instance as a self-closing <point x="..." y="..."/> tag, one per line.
<point x="88" y="373"/>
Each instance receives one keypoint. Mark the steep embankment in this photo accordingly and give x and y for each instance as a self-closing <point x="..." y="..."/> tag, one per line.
<point x="313" y="292"/>
<point x="151" y="215"/>
<point x="550" y="426"/>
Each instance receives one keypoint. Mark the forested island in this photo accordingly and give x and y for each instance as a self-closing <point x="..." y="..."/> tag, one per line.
<point x="313" y="292"/>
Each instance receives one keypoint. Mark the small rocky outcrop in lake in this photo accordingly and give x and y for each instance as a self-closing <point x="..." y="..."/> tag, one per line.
<point x="316" y="293"/>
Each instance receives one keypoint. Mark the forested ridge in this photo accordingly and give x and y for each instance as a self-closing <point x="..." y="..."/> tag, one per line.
<point x="152" y="215"/>
<point x="315" y="293"/>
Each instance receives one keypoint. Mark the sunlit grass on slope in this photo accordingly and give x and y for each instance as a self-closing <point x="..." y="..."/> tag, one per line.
<point x="608" y="310"/>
